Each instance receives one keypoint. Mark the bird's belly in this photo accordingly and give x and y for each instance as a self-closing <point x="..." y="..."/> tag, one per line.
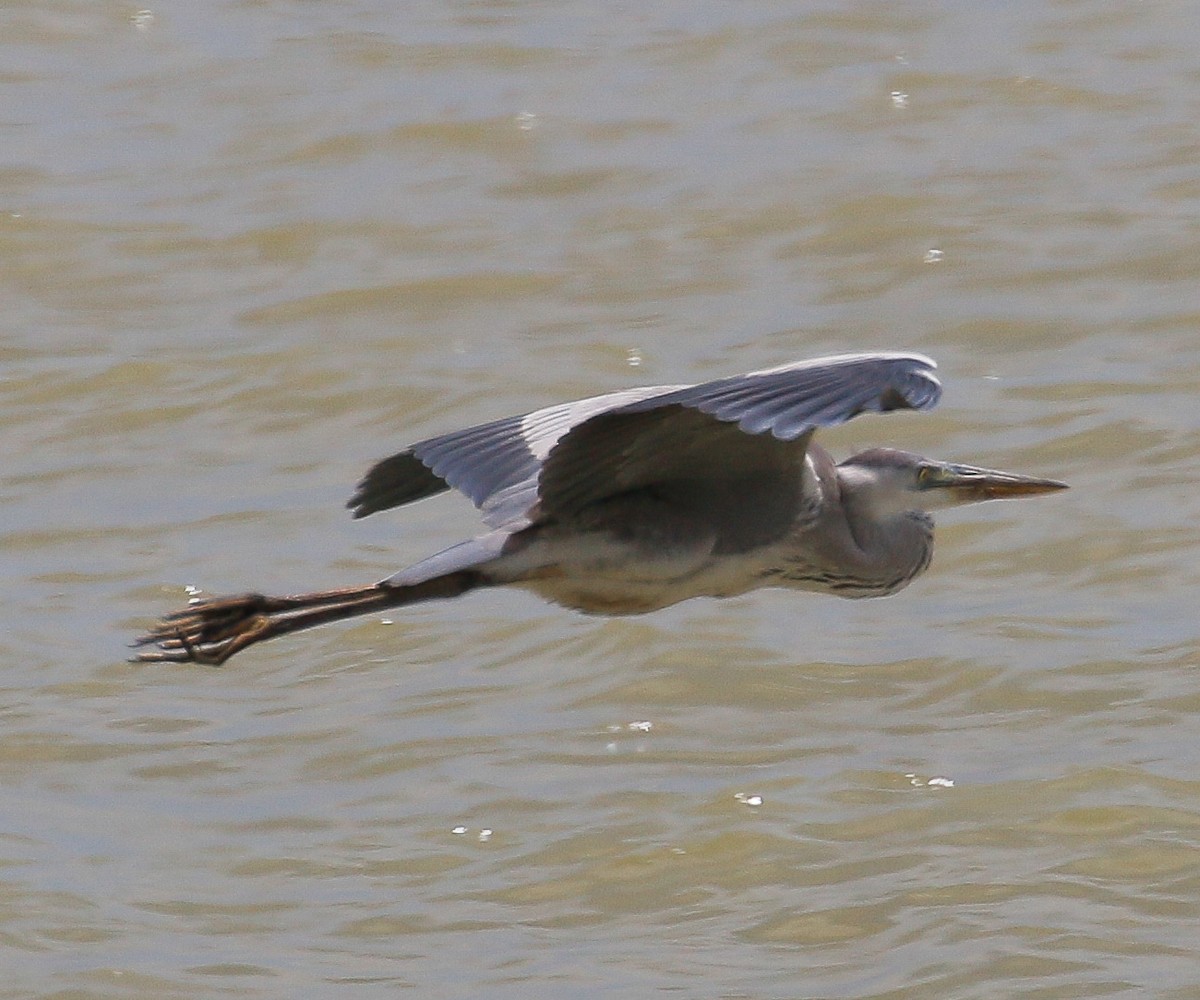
<point x="613" y="589"/>
<point x="601" y="597"/>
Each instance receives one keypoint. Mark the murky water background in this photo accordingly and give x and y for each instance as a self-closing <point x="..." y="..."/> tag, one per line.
<point x="246" y="249"/>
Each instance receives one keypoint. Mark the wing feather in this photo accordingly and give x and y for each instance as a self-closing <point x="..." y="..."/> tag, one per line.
<point x="686" y="433"/>
<point x="573" y="453"/>
<point x="495" y="465"/>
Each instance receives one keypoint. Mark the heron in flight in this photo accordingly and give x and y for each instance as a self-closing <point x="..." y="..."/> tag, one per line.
<point x="636" y="500"/>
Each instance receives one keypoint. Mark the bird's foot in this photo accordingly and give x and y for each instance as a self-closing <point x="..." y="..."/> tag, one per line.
<point x="211" y="630"/>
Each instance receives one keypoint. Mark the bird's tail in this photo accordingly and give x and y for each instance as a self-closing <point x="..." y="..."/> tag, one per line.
<point x="211" y="630"/>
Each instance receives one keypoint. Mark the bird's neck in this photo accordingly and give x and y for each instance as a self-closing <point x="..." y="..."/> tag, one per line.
<point x="896" y="546"/>
<point x="853" y="544"/>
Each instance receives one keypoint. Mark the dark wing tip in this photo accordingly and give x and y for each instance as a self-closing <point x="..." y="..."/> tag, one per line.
<point x="921" y="393"/>
<point x="394" y="481"/>
<point x="893" y="399"/>
<point x="916" y="387"/>
<point x="793" y="399"/>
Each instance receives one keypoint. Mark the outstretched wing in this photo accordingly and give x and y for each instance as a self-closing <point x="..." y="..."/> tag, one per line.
<point x="741" y="427"/>
<point x="495" y="465"/>
<point x="586" y="445"/>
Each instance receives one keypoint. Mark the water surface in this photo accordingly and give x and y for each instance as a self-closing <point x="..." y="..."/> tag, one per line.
<point x="249" y="249"/>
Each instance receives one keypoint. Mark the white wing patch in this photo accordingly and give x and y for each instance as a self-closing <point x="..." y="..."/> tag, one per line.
<point x="542" y="429"/>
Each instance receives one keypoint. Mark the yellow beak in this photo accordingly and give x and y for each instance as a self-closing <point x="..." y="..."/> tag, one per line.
<point x="967" y="483"/>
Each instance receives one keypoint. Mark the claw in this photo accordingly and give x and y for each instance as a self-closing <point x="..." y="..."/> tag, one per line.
<point x="211" y="630"/>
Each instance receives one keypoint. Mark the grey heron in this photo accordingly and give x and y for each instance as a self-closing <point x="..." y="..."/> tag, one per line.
<point x="635" y="500"/>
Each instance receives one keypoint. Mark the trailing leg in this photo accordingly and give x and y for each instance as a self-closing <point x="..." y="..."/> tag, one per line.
<point x="212" y="630"/>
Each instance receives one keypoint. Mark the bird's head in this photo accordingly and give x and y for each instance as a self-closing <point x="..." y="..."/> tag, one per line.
<point x="893" y="482"/>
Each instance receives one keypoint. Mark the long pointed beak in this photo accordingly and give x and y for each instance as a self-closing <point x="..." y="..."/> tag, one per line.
<point x="969" y="484"/>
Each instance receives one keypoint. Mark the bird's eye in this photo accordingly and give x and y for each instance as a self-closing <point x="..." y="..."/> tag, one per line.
<point x="923" y="474"/>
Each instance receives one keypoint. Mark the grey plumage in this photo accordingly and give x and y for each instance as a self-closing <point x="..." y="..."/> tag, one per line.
<point x="498" y="464"/>
<point x="637" y="499"/>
